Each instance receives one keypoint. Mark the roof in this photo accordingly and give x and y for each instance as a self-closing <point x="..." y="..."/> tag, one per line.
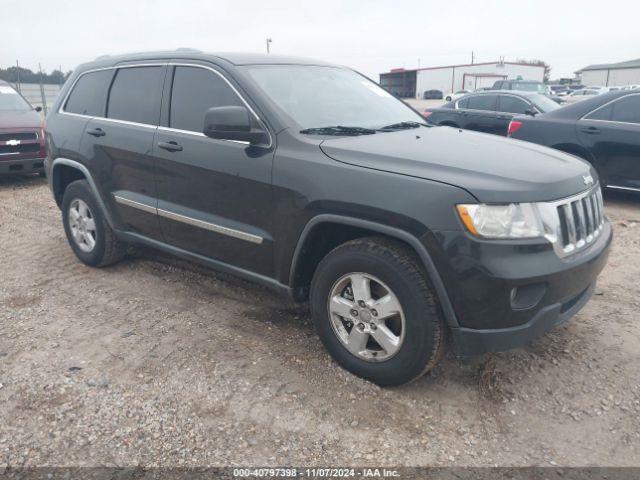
<point x="613" y="66"/>
<point x="234" y="58"/>
<point x="400" y="70"/>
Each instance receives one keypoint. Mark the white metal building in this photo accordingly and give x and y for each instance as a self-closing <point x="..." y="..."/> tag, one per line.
<point x="413" y="83"/>
<point x="612" y="74"/>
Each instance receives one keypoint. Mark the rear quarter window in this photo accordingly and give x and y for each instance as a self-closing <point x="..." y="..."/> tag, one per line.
<point x="89" y="94"/>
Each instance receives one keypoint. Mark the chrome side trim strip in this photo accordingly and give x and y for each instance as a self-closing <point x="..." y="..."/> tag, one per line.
<point x="131" y="203"/>
<point x="198" y="134"/>
<point x="213" y="227"/>
<point x="617" y="187"/>
<point x="230" y="232"/>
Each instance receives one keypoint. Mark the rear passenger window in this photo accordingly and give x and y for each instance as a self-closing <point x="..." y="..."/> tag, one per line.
<point x="603" y="113"/>
<point x="483" y="102"/>
<point x="195" y="90"/>
<point x="510" y="104"/>
<point x="89" y="95"/>
<point x="463" y="103"/>
<point x="135" y="95"/>
<point x="627" y="109"/>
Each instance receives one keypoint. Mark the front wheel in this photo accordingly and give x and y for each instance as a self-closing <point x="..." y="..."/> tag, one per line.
<point x="376" y="312"/>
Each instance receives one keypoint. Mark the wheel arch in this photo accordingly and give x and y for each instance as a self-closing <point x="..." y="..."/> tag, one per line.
<point x="63" y="172"/>
<point x="314" y="239"/>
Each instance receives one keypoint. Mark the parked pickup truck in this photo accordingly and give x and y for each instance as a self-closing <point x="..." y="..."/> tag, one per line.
<point x="310" y="179"/>
<point x="22" y="144"/>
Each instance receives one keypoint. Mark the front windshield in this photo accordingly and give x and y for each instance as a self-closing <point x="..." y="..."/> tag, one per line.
<point x="545" y="104"/>
<point x="10" y="100"/>
<point x="316" y="97"/>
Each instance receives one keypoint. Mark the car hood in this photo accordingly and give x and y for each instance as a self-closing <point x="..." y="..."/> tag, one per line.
<point x="10" y="119"/>
<point x="491" y="168"/>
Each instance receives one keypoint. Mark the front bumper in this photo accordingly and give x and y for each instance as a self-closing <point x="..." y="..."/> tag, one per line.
<point x="21" y="166"/>
<point x="507" y="296"/>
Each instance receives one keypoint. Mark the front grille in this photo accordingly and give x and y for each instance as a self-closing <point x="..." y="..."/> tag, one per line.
<point x="581" y="220"/>
<point x="17" y="143"/>
<point x="7" y="137"/>
<point x="19" y="149"/>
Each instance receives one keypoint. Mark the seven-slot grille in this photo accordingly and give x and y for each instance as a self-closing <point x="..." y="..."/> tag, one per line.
<point x="581" y="220"/>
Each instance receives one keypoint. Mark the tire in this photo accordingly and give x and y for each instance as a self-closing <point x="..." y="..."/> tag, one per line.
<point x="418" y="328"/>
<point x="448" y="99"/>
<point x="105" y="249"/>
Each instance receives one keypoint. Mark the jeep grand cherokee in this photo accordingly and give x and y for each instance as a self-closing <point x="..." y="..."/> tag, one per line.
<point x="311" y="179"/>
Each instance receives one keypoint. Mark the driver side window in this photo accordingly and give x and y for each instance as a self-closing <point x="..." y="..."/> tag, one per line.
<point x="195" y="90"/>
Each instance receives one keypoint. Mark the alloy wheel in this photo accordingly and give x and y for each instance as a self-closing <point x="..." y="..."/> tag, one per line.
<point x="82" y="225"/>
<point x="366" y="316"/>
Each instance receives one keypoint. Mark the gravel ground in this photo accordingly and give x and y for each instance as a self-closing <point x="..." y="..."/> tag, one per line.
<point x="156" y="362"/>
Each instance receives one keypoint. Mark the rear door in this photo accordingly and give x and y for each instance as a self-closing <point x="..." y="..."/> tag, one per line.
<point x="214" y="196"/>
<point x="118" y="146"/>
<point x="480" y="114"/>
<point x="508" y="107"/>
<point x="612" y="134"/>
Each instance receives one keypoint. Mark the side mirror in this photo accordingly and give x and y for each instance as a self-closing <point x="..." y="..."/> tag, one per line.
<point x="38" y="109"/>
<point x="530" y="112"/>
<point x="232" y="123"/>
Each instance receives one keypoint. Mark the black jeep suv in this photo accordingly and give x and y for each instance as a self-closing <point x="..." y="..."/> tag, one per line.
<point x="311" y="179"/>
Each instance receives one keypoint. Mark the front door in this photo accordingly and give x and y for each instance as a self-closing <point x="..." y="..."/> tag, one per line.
<point x="612" y="134"/>
<point x="214" y="196"/>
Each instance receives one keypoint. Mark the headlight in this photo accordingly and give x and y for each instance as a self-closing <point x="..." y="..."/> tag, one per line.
<point x="514" y="220"/>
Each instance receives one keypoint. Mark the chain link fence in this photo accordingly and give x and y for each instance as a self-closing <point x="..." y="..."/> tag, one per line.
<point x="39" y="94"/>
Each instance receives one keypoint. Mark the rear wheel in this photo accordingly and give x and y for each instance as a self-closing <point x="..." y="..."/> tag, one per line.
<point x="90" y="236"/>
<point x="376" y="312"/>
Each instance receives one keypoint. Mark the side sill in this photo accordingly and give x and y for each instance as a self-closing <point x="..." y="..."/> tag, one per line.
<point x="270" y="283"/>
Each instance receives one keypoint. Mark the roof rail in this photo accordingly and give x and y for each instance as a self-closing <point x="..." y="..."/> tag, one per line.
<point x="182" y="49"/>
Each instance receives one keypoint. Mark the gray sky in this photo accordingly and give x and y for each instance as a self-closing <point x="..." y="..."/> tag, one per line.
<point x="371" y="36"/>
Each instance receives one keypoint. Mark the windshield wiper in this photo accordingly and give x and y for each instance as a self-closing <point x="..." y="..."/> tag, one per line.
<point x="338" y="130"/>
<point x="402" y="126"/>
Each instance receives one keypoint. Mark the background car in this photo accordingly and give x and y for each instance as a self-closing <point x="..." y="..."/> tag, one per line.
<point x="22" y="143"/>
<point x="604" y="130"/>
<point x="454" y="96"/>
<point x="560" y="90"/>
<point x="432" y="95"/>
<point x="489" y="112"/>
<point x="528" y="86"/>
<point x="583" y="94"/>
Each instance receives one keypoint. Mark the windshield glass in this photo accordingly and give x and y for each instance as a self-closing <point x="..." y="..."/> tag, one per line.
<point x="10" y="100"/>
<point x="315" y="97"/>
<point x="544" y="104"/>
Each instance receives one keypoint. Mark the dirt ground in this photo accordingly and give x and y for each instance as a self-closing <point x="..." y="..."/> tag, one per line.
<point x="157" y="362"/>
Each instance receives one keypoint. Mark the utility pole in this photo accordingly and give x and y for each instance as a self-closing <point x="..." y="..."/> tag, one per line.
<point x="269" y="45"/>
<point x="42" y="95"/>
<point x="18" y="76"/>
<point x="473" y="57"/>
